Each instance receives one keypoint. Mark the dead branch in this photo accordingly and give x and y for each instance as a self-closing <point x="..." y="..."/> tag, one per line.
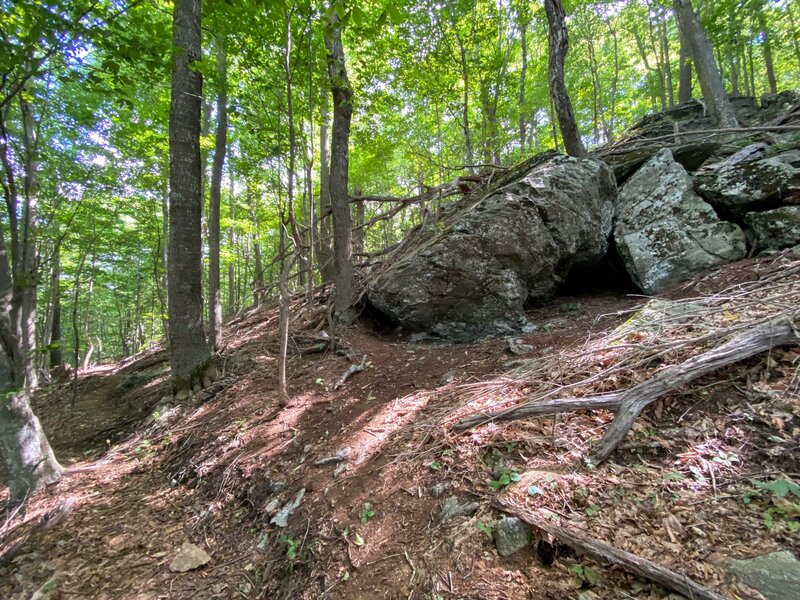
<point x="642" y="142"/>
<point x="350" y="372"/>
<point x="778" y="331"/>
<point x="606" y="553"/>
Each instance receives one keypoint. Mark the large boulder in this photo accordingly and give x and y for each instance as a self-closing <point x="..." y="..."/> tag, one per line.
<point x="775" y="229"/>
<point x="665" y="232"/>
<point x="746" y="180"/>
<point x="519" y="242"/>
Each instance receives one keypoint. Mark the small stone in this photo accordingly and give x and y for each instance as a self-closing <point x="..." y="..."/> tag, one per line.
<point x="207" y="382"/>
<point x="449" y="376"/>
<point x="189" y="557"/>
<point x="452" y="509"/>
<point x="183" y="394"/>
<point x="281" y="519"/>
<point x="197" y="387"/>
<point x="438" y="489"/>
<point x="276" y="487"/>
<point x="518" y="347"/>
<point x="775" y="575"/>
<point x="340" y="455"/>
<point x="511" y="535"/>
<point x="272" y="507"/>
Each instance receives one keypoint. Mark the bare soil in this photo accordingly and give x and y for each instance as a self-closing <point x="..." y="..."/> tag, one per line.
<point x="213" y="470"/>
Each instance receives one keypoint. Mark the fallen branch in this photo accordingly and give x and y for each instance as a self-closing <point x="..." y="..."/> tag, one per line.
<point x="15" y="540"/>
<point x="602" y="552"/>
<point x="350" y="372"/>
<point x="778" y="331"/>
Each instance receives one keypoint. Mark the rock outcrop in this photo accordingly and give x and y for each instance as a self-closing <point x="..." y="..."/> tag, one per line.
<point x="745" y="179"/>
<point x="665" y="232"/>
<point x="775" y="229"/>
<point x="519" y="242"/>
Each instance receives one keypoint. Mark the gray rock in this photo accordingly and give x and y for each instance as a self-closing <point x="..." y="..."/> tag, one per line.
<point x="511" y="535"/>
<point x="738" y="184"/>
<point x="521" y="241"/>
<point x="340" y="456"/>
<point x="281" y="518"/>
<point x="775" y="229"/>
<point x="776" y="575"/>
<point x="276" y="487"/>
<point x="439" y="489"/>
<point x="518" y="347"/>
<point x="189" y="557"/>
<point x="452" y="509"/>
<point x="664" y="232"/>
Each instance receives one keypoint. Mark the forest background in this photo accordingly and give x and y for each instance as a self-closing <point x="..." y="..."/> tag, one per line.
<point x="439" y="90"/>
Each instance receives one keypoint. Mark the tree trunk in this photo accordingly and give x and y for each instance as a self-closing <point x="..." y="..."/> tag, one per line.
<point x="699" y="48"/>
<point x="189" y="353"/>
<point x="342" y="95"/>
<point x="232" y="248"/>
<point x="768" y="64"/>
<point x="684" y="76"/>
<point x="56" y="355"/>
<point x="523" y="134"/>
<point x="469" y="157"/>
<point x="220" y="143"/>
<point x="559" y="45"/>
<point x="23" y="445"/>
<point x="324" y="250"/>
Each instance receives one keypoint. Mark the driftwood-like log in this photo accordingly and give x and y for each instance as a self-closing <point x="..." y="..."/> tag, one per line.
<point x="606" y="553"/>
<point x="779" y="331"/>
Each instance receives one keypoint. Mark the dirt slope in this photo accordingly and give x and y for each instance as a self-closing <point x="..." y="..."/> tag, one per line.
<point x="214" y="471"/>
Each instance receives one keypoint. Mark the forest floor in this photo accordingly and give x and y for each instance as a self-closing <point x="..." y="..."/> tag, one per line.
<point x="369" y="523"/>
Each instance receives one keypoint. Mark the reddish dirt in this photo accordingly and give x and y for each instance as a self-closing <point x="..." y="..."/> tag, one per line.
<point x="209" y="471"/>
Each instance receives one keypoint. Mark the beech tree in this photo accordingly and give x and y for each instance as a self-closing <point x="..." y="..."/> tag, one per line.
<point x="189" y="355"/>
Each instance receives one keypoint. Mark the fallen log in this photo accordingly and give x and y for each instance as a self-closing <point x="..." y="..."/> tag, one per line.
<point x="606" y="553"/>
<point x="629" y="403"/>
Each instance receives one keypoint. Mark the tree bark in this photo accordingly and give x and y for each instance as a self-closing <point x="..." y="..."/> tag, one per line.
<point x="684" y="76"/>
<point x="23" y="445"/>
<point x="469" y="155"/>
<point x="189" y="353"/>
<point x="699" y="48"/>
<point x="559" y="46"/>
<point x="324" y="250"/>
<point x="220" y="144"/>
<point x="342" y="95"/>
<point x="767" y="46"/>
<point x="523" y="133"/>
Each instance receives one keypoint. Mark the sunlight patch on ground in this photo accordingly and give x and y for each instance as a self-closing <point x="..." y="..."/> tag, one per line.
<point x="397" y="414"/>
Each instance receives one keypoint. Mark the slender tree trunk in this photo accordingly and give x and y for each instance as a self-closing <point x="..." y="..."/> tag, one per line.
<point x="232" y="247"/>
<point x="469" y="156"/>
<point x="56" y="356"/>
<point x="767" y="46"/>
<point x="324" y="250"/>
<point x="667" y="61"/>
<point x="793" y="33"/>
<point x="342" y="95"/>
<point x="523" y="134"/>
<point x="258" y="275"/>
<point x="189" y="354"/>
<point x="699" y="48"/>
<point x="220" y="144"/>
<point x="559" y="45"/>
<point x="684" y="76"/>
<point x="283" y="319"/>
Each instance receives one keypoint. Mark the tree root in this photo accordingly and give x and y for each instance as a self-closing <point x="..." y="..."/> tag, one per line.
<point x="628" y="404"/>
<point x="602" y="552"/>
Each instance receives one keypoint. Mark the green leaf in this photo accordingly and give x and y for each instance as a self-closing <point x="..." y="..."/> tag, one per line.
<point x="394" y="14"/>
<point x="535" y="490"/>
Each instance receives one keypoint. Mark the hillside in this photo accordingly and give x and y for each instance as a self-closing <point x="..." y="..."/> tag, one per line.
<point x="392" y="501"/>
